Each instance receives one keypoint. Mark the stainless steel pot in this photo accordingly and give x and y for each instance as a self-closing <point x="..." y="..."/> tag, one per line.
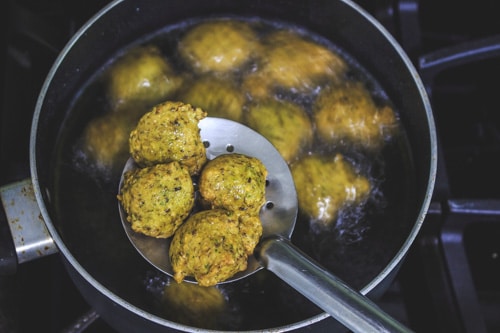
<point x="76" y="214"/>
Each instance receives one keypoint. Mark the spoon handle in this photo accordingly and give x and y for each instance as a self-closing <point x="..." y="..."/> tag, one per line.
<point x="349" y="307"/>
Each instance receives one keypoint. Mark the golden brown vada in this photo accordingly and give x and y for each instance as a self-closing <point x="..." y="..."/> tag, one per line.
<point x="235" y="182"/>
<point x="105" y="140"/>
<point x="209" y="247"/>
<point x="347" y="114"/>
<point x="218" y="46"/>
<point x="285" y="124"/>
<point x="295" y="63"/>
<point x="194" y="305"/>
<point x="218" y="96"/>
<point x="325" y="185"/>
<point x="157" y="199"/>
<point x="142" y="76"/>
<point x="169" y="132"/>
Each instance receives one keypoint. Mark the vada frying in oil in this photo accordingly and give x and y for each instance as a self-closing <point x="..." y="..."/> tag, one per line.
<point x="327" y="184"/>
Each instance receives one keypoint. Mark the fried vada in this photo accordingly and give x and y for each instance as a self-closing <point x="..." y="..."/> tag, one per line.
<point x="218" y="96"/>
<point x="285" y="124"/>
<point x="235" y="182"/>
<point x="250" y="231"/>
<point x="209" y="247"/>
<point x="157" y="199"/>
<point x="142" y="76"/>
<point x="169" y="132"/>
<point x="105" y="141"/>
<point x="347" y="114"/>
<point x="325" y="185"/>
<point x="194" y="305"/>
<point x="219" y="46"/>
<point x="292" y="62"/>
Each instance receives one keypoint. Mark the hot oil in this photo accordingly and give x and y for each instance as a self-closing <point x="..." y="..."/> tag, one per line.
<point x="91" y="210"/>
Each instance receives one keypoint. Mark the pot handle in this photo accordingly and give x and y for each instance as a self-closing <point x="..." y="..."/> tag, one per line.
<point x="349" y="307"/>
<point x="434" y="63"/>
<point x="29" y="235"/>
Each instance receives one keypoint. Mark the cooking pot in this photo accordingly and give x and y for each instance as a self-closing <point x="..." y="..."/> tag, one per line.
<point x="76" y="214"/>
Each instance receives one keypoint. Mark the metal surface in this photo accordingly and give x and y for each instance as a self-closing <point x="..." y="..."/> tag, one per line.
<point x="83" y="323"/>
<point x="31" y="238"/>
<point x="355" y="311"/>
<point x="454" y="251"/>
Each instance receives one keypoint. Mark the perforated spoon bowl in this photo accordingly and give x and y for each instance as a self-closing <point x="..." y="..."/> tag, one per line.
<point x="278" y="215"/>
<point x="274" y="252"/>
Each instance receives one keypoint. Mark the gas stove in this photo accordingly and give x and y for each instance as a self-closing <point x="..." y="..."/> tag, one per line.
<point x="449" y="281"/>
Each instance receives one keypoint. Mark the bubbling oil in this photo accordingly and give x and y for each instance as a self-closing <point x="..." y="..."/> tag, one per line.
<point x="94" y="148"/>
<point x="229" y="93"/>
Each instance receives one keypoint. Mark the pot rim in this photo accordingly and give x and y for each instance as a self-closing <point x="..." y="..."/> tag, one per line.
<point x="390" y="267"/>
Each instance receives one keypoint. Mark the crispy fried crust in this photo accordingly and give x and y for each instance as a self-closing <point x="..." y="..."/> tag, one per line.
<point x="209" y="247"/>
<point x="169" y="132"/>
<point x="157" y="199"/>
<point x="234" y="182"/>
